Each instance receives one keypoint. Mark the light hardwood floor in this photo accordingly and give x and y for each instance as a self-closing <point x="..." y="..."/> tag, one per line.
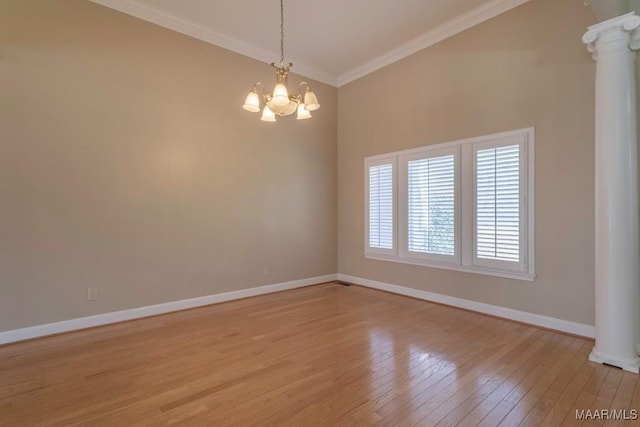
<point x="322" y="355"/>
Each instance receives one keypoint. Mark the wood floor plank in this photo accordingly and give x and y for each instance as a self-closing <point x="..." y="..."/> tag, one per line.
<point x="605" y="395"/>
<point x="321" y="355"/>
<point x="529" y="361"/>
<point x="564" y="406"/>
<point x="441" y="404"/>
<point x="622" y="399"/>
<point x="521" y="410"/>
<point x="486" y="396"/>
<point x="423" y="392"/>
<point x="508" y="402"/>
<point x="634" y="405"/>
<point x="552" y="394"/>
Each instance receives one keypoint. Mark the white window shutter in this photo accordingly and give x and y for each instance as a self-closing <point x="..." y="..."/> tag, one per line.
<point x="431" y="205"/>
<point x="498" y="201"/>
<point x="381" y="206"/>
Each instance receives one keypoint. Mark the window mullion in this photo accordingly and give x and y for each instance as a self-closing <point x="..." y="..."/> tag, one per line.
<point x="465" y="174"/>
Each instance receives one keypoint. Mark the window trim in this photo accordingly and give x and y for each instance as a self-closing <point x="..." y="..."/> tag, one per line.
<point x="465" y="204"/>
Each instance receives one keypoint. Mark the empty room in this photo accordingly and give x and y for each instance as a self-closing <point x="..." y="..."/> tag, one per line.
<point x="319" y="213"/>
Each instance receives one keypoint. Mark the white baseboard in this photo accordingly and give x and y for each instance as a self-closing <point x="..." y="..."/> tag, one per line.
<point x="494" y="310"/>
<point x="152" y="310"/>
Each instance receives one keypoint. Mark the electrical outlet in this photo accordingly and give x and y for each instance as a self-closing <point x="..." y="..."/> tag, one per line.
<point x="265" y="270"/>
<point x="93" y="294"/>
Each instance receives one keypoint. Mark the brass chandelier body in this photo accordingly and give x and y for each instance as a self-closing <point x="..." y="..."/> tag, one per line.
<point x="280" y="103"/>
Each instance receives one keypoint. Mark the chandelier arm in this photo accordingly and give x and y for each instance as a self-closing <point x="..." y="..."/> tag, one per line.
<point x="264" y="94"/>
<point x="304" y="84"/>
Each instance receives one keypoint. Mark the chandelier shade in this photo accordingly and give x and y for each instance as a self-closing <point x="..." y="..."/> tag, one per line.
<point x="280" y="95"/>
<point x="268" y="115"/>
<point x="311" y="101"/>
<point x="281" y="102"/>
<point x="252" y="103"/>
<point x="303" y="113"/>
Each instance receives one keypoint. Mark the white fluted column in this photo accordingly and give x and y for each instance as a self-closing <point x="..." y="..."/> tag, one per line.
<point x="614" y="43"/>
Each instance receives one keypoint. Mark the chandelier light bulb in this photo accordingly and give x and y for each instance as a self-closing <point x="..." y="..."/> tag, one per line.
<point x="268" y="115"/>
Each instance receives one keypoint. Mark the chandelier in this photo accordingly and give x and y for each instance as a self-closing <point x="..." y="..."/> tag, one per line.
<point x="281" y="103"/>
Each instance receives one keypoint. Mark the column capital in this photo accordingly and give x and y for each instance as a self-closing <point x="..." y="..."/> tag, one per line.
<point x="627" y="25"/>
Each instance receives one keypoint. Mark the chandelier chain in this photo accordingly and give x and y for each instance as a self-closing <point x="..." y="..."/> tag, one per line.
<point x="281" y="32"/>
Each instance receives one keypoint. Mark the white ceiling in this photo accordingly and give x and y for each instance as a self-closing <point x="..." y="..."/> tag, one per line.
<point x="333" y="41"/>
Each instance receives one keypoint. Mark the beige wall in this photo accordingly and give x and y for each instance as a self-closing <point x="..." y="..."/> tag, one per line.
<point x="527" y="67"/>
<point x="126" y="163"/>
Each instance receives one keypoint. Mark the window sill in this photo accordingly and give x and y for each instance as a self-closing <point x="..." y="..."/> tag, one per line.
<point x="466" y="269"/>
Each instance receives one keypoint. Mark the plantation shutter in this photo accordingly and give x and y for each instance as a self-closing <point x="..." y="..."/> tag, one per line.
<point x="381" y="206"/>
<point x="431" y="205"/>
<point x="498" y="203"/>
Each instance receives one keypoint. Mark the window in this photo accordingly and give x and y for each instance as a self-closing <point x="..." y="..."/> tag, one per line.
<point x="427" y="188"/>
<point x="464" y="205"/>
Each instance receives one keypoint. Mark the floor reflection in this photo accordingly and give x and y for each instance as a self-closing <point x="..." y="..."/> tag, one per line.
<point x="403" y="369"/>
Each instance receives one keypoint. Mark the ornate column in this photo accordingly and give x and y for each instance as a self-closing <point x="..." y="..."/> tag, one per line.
<point x="617" y="280"/>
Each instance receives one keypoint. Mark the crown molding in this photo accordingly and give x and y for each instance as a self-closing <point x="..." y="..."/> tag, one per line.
<point x="156" y="16"/>
<point x="463" y="22"/>
<point x="172" y="22"/>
